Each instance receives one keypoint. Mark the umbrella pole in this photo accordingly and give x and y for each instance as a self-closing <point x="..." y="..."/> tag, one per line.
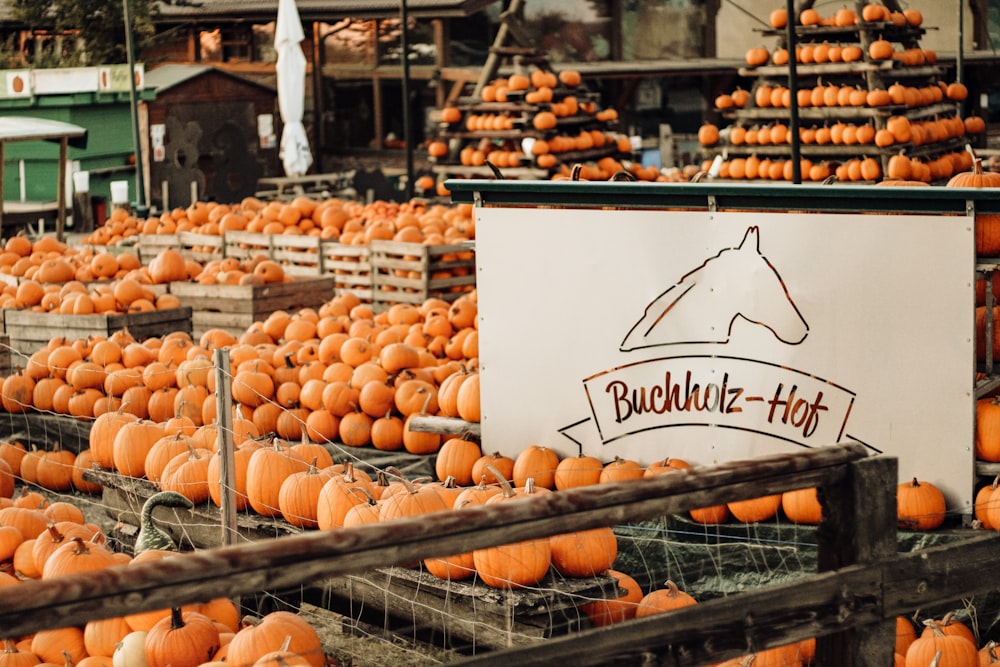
<point x="407" y="129"/>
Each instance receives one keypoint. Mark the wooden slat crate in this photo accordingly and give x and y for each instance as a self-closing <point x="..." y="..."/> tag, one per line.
<point x="246" y="245"/>
<point x="6" y="366"/>
<point x="236" y="307"/>
<point x="150" y="245"/>
<point x="299" y="254"/>
<point x="199" y="247"/>
<point x="413" y="272"/>
<point x="350" y="266"/>
<point x="29" y="330"/>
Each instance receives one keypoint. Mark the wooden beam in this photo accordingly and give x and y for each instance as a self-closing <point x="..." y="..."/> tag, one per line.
<point x="292" y="561"/>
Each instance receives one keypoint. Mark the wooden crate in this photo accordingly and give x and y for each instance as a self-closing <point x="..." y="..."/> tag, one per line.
<point x="350" y="266"/>
<point x="6" y="368"/>
<point x="199" y="247"/>
<point x="29" y="330"/>
<point x="413" y="272"/>
<point x="299" y="254"/>
<point x="246" y="245"/>
<point x="236" y="307"/>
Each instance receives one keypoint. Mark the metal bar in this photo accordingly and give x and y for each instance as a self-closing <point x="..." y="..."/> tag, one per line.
<point x="747" y="197"/>
<point x="793" y="87"/>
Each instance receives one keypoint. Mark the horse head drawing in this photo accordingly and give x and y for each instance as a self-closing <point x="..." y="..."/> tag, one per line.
<point x="704" y="304"/>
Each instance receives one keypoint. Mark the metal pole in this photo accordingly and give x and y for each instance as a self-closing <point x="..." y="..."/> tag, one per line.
<point x="959" y="58"/>
<point x="140" y="186"/>
<point x="793" y="87"/>
<point x="407" y="121"/>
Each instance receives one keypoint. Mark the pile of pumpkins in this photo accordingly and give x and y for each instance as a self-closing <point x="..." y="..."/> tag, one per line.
<point x="42" y="539"/>
<point x="347" y="221"/>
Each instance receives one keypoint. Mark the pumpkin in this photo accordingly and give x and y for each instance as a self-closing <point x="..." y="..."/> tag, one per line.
<point x="167" y="266"/>
<point x="988" y="429"/>
<point x="584" y="553"/>
<point x="620" y="470"/>
<point x="708" y="134"/>
<point x="662" y="600"/>
<point x="101" y="635"/>
<point x="984" y="502"/>
<point x="132" y="444"/>
<point x="919" y="505"/>
<point x="59" y="646"/>
<point x="183" y="639"/>
<point x="12" y="656"/>
<point x="617" y="608"/>
<point x="714" y="514"/>
<point x="519" y="564"/>
<point x="187" y="474"/>
<point x="266" y="471"/>
<point x="77" y="556"/>
<point x="954" y="649"/>
<point x="574" y="471"/>
<point x="906" y="634"/>
<point x="537" y="463"/>
<point x="802" y="506"/>
<point x="503" y="464"/>
<point x="456" y="458"/>
<point x="754" y="510"/>
<point x="261" y="636"/>
<point x="299" y="495"/>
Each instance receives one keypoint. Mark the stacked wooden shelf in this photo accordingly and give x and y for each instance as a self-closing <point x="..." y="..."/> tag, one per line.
<point x="867" y="73"/>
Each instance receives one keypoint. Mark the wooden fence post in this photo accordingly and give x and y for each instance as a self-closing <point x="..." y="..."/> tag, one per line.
<point x="859" y="528"/>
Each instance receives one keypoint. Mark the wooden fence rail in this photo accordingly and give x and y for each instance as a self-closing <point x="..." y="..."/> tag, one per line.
<point x="850" y="606"/>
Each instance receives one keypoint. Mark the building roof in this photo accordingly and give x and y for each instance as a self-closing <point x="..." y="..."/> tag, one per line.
<point x="167" y="76"/>
<point x="30" y="128"/>
<point x="313" y="10"/>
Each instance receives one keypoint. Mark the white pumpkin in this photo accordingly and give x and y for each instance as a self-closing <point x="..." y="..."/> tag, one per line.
<point x="131" y="650"/>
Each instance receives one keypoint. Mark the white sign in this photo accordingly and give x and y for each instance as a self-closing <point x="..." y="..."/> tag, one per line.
<point x="722" y="336"/>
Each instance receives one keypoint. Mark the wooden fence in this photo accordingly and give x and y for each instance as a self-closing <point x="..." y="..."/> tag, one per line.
<point x="850" y="605"/>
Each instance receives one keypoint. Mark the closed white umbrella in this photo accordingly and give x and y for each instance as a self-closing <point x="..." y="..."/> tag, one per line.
<point x="291" y="70"/>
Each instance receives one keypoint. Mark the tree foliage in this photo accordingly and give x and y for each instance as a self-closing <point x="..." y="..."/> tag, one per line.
<point x="91" y="31"/>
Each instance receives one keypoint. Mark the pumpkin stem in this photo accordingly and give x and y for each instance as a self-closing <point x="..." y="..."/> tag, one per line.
<point x="672" y="589"/>
<point x="937" y="660"/>
<point x="369" y="498"/>
<point x="508" y="490"/>
<point x="68" y="657"/>
<point x="9" y="646"/>
<point x="935" y="628"/>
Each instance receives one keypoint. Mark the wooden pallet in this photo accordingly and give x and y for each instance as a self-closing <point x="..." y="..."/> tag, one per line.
<point x="29" y="331"/>
<point x="490" y="618"/>
<point x="414" y="272"/>
<point x="236" y="307"/>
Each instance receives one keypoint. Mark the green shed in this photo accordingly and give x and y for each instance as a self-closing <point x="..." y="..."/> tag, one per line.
<point x="95" y="98"/>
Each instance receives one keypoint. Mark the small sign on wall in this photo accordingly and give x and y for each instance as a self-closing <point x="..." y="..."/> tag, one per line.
<point x="157" y="137"/>
<point x="265" y="131"/>
<point x="714" y="337"/>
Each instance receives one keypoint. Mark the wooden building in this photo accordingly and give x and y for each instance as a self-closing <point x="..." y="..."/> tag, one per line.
<point x="205" y="134"/>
